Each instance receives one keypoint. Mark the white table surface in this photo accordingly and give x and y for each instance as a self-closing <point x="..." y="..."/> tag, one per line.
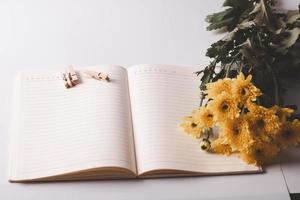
<point x="290" y="159"/>
<point x="50" y="34"/>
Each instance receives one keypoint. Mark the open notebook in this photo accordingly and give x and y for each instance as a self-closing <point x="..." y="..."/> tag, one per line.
<point x="125" y="128"/>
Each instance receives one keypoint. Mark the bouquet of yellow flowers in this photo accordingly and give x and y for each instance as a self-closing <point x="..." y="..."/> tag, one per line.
<point x="255" y="132"/>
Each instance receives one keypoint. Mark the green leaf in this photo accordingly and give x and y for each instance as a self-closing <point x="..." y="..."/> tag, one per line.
<point x="261" y="41"/>
<point x="263" y="15"/>
<point x="293" y="16"/>
<point x="289" y="40"/>
<point x="238" y="10"/>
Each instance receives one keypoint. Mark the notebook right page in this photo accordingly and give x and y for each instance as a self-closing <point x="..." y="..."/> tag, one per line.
<point x="160" y="96"/>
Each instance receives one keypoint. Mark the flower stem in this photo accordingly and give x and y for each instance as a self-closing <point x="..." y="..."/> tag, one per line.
<point x="209" y="131"/>
<point x="229" y="67"/>
<point x="241" y="68"/>
<point x="275" y="82"/>
<point x="202" y="98"/>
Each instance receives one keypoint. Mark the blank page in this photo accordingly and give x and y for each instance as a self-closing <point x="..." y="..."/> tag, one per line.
<point x="160" y="97"/>
<point x="59" y="130"/>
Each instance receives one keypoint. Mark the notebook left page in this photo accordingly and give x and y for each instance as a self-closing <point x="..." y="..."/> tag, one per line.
<point x="63" y="131"/>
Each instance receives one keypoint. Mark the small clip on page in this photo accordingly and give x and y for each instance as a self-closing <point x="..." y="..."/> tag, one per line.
<point x="70" y="77"/>
<point x="98" y="75"/>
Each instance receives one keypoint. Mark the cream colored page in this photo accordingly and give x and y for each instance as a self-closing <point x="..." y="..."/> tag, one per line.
<point x="160" y="97"/>
<point x="63" y="130"/>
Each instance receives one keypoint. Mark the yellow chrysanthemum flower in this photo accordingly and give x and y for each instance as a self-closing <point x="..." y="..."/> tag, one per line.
<point x="244" y="90"/>
<point x="282" y="113"/>
<point x="256" y="132"/>
<point x="224" y="107"/>
<point x="262" y="120"/>
<point x="237" y="133"/>
<point x="259" y="153"/>
<point x="204" y="117"/>
<point x="214" y="89"/>
<point x="220" y="146"/>
<point x="289" y="134"/>
<point x="191" y="127"/>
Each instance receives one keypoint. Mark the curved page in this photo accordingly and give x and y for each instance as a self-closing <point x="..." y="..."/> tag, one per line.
<point x="60" y="131"/>
<point x="160" y="96"/>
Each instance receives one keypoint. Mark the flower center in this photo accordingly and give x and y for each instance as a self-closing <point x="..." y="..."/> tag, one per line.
<point x="193" y="125"/>
<point x="243" y="91"/>
<point x="225" y="107"/>
<point x="279" y="114"/>
<point x="260" y="123"/>
<point x="235" y="130"/>
<point x="287" y="134"/>
<point x="258" y="152"/>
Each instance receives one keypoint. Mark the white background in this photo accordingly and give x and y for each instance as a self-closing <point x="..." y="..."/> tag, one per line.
<point x="51" y="34"/>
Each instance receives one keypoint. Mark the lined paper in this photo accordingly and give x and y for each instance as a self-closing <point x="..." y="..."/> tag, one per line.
<point x="160" y="96"/>
<point x="65" y="130"/>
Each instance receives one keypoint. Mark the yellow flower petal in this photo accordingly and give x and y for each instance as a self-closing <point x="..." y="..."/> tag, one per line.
<point x="237" y="133"/>
<point x="259" y="153"/>
<point x="289" y="134"/>
<point x="191" y="127"/>
<point x="220" y="146"/>
<point x="282" y="113"/>
<point x="244" y="90"/>
<point x="204" y="117"/>
<point x="262" y="121"/>
<point x="224" y="107"/>
<point x="214" y="89"/>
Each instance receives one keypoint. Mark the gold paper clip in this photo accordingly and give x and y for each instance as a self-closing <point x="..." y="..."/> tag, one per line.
<point x="70" y="77"/>
<point x="98" y="75"/>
